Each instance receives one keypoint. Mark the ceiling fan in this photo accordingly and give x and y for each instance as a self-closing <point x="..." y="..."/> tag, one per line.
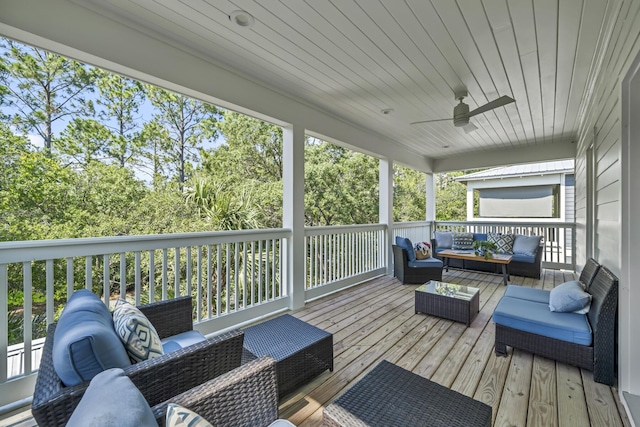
<point x="461" y="113"/>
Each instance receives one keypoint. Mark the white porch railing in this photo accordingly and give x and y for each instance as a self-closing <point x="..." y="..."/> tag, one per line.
<point x="343" y="255"/>
<point x="558" y="237"/>
<point x="418" y="231"/>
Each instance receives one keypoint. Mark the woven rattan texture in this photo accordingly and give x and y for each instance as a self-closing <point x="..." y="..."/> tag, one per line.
<point x="447" y="307"/>
<point x="301" y="350"/>
<point x="412" y="275"/>
<point x="244" y="397"/>
<point x="391" y="396"/>
<point x="158" y="379"/>
<point x="599" y="357"/>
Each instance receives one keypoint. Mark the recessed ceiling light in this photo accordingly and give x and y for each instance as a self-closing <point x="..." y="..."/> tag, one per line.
<point x="387" y="111"/>
<point x="242" y="19"/>
<point x="445" y="146"/>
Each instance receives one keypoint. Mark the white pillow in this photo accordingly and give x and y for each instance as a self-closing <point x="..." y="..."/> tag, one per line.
<point x="179" y="416"/>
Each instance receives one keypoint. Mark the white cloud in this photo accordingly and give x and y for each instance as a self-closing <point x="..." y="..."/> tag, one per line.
<point x="36" y="140"/>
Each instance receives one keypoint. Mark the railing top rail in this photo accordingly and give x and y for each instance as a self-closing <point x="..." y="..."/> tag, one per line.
<point x="410" y="224"/>
<point x="336" y="229"/>
<point x="510" y="223"/>
<point x="37" y="250"/>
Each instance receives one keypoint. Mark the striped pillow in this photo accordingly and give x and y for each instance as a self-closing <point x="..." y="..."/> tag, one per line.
<point x="462" y="241"/>
<point x="140" y="338"/>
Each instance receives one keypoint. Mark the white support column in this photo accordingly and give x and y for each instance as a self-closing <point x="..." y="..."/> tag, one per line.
<point x="386" y="207"/>
<point x="293" y="213"/>
<point x="469" y="202"/>
<point x="430" y="214"/>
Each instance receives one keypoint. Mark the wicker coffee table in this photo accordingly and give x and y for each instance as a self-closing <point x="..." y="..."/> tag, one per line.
<point x="391" y="396"/>
<point x="301" y="350"/>
<point x="449" y="301"/>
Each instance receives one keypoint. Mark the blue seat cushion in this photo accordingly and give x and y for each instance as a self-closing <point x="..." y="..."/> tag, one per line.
<point x="529" y="259"/>
<point x="480" y="236"/>
<point x="535" y="317"/>
<point x="426" y="263"/>
<point x="182" y="340"/>
<point x="112" y="400"/>
<point x="85" y="342"/>
<point x="530" y="294"/>
<point x="406" y="244"/>
<point x="526" y="245"/>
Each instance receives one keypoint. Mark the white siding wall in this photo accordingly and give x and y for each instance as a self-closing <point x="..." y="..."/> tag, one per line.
<point x="600" y="125"/>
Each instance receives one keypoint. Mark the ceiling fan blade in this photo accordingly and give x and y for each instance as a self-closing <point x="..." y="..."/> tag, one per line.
<point x="503" y="100"/>
<point x="429" y="121"/>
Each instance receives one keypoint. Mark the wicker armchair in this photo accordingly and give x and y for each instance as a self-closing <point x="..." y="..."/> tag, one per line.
<point x="158" y="379"/>
<point x="246" y="396"/>
<point x="414" y="275"/>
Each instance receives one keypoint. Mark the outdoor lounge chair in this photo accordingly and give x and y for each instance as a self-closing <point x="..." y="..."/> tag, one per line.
<point x="416" y="272"/>
<point x="158" y="379"/>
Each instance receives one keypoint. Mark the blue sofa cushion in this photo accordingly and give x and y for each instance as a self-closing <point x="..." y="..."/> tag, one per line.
<point x="427" y="262"/>
<point x="405" y="243"/>
<point x="85" y="342"/>
<point x="535" y="317"/>
<point x="462" y="241"/>
<point x="526" y="245"/>
<point x="182" y="340"/>
<point x="531" y="294"/>
<point x="530" y="259"/>
<point x="480" y="236"/>
<point x="444" y="239"/>
<point x="569" y="297"/>
<point x="112" y="400"/>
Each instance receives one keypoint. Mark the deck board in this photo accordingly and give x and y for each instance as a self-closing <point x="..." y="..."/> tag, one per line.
<point x="376" y="320"/>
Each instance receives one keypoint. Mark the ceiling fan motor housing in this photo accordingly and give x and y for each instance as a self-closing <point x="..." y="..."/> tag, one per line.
<point x="461" y="114"/>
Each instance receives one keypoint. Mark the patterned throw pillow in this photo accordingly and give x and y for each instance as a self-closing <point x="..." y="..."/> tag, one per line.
<point x="462" y="241"/>
<point x="140" y="338"/>
<point x="423" y="250"/>
<point x="178" y="416"/>
<point x="504" y="242"/>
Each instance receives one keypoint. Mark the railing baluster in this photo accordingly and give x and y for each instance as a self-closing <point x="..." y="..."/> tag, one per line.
<point x="138" y="277"/>
<point x="209" y="282"/>
<point x="176" y="272"/>
<point x="236" y="275"/>
<point x="49" y="293"/>
<point x="253" y="267"/>
<point x="4" y="314"/>
<point x="219" y="310"/>
<point x="165" y="278"/>
<point x="27" y="286"/>
<point x="152" y="276"/>
<point x="227" y="275"/>
<point x="199" y="284"/>
<point x="260" y="298"/>
<point x="123" y="275"/>
<point x="267" y="280"/>
<point x="244" y="272"/>
<point x="88" y="273"/>
<point x="273" y="270"/>
<point x="106" y="280"/>
<point x="70" y="288"/>
<point x="189" y="270"/>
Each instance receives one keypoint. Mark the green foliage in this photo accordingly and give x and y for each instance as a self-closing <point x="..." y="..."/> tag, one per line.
<point x="451" y="197"/>
<point x="409" y="190"/>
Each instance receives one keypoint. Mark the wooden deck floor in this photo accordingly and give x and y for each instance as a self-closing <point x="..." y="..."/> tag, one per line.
<point x="376" y="321"/>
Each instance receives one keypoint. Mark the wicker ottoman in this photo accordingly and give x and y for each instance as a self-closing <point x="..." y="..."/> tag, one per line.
<point x="391" y="396"/>
<point x="302" y="351"/>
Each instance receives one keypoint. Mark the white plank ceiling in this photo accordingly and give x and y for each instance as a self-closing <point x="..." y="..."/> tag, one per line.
<point x="354" y="58"/>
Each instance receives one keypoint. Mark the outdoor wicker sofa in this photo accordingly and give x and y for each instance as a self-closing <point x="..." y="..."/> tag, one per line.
<point x="417" y="272"/>
<point x="158" y="379"/>
<point x="599" y="356"/>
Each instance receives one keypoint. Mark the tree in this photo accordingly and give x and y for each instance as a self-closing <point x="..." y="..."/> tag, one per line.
<point x="188" y="122"/>
<point x="44" y="88"/>
<point x="409" y="191"/>
<point x="121" y="98"/>
<point x="451" y="197"/>
<point x="83" y="141"/>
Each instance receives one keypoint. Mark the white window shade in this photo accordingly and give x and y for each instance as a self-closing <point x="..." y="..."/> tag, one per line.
<point x="517" y="202"/>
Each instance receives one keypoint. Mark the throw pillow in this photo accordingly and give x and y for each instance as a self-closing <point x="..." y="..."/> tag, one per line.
<point x="526" y="245"/>
<point x="112" y="400"/>
<point x="462" y="241"/>
<point x="504" y="242"/>
<point x="179" y="416"/>
<point x="136" y="332"/>
<point x="569" y="297"/>
<point x="423" y="250"/>
<point x="444" y="239"/>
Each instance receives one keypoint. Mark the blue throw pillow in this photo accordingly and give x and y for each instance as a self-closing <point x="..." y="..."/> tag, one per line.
<point x="112" y="400"/>
<point x="444" y="239"/>
<point x="406" y="244"/>
<point x="526" y="245"/>
<point x="85" y="342"/>
<point x="569" y="297"/>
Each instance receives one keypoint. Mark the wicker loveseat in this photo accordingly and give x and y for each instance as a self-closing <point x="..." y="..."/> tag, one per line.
<point x="523" y="320"/>
<point x="158" y="379"/>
